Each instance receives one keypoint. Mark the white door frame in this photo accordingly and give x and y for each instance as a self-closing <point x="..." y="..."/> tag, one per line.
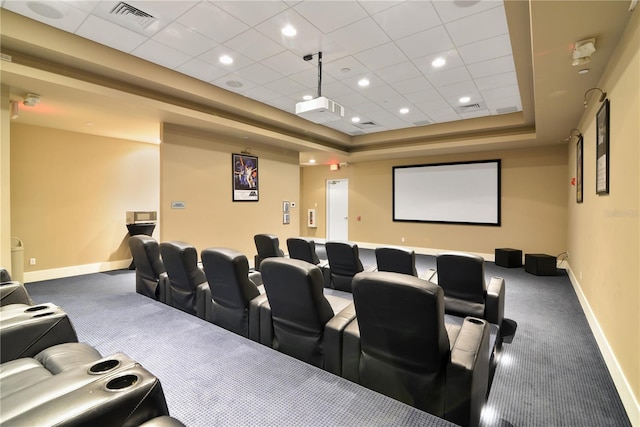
<point x="337" y="209"/>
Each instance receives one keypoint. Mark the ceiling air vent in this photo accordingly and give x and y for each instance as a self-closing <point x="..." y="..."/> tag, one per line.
<point x="506" y="110"/>
<point x="470" y="107"/>
<point x="143" y="19"/>
<point x="365" y="125"/>
<point x="422" y="123"/>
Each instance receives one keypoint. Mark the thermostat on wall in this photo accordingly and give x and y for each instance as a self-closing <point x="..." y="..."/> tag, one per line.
<point x="178" y="205"/>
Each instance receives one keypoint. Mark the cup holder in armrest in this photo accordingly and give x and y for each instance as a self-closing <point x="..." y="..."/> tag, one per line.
<point x="35" y="308"/>
<point x="474" y="320"/>
<point x="122" y="382"/>
<point x="104" y="366"/>
<point x="42" y="315"/>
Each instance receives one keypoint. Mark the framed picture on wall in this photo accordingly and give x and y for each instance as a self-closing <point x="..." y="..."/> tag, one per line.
<point x="579" y="173"/>
<point x="245" y="178"/>
<point x="602" y="149"/>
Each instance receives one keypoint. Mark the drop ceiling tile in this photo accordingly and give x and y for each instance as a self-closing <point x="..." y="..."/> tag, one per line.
<point x="373" y="7"/>
<point x="259" y="74"/>
<point x="426" y="42"/>
<point x="474" y="114"/>
<point x="201" y="70"/>
<point x="335" y="88"/>
<point x="496" y="81"/>
<point x="398" y="72"/>
<point x="394" y="104"/>
<point x="351" y="100"/>
<point x="362" y="35"/>
<point x="57" y="14"/>
<point x="307" y="40"/>
<point x="451" y="57"/>
<point x="345" y="66"/>
<point x="452" y="10"/>
<point x="449" y="77"/>
<point x="212" y="22"/>
<point x="109" y="34"/>
<point x="435" y="106"/>
<point x="254" y="45"/>
<point x="412" y="86"/>
<point x="380" y="94"/>
<point x="444" y="116"/>
<point x="161" y="54"/>
<point x="415" y="115"/>
<point x="407" y="18"/>
<point x="426" y="97"/>
<point x="480" y="26"/>
<point x="85" y="5"/>
<point x="184" y="39"/>
<point x="484" y="50"/>
<point x="329" y="16"/>
<point x="288" y="63"/>
<point x="212" y="57"/>
<point x="284" y="103"/>
<point x="309" y="78"/>
<point x="457" y="90"/>
<point x="381" y="56"/>
<point x="500" y="65"/>
<point x="252" y="13"/>
<point x="287" y="87"/>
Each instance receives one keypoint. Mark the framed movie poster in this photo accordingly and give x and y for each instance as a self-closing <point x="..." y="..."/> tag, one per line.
<point x="579" y="173"/>
<point x="245" y="178"/>
<point x="602" y="149"/>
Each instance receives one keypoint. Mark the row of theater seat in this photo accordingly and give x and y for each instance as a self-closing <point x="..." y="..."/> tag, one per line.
<point x="386" y="330"/>
<point x="47" y="377"/>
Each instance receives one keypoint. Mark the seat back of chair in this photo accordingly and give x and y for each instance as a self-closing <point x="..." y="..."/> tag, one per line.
<point x="404" y="342"/>
<point x="303" y="249"/>
<point x="181" y="261"/>
<point x="227" y="273"/>
<point x="461" y="276"/>
<point x="344" y="263"/>
<point x="267" y="246"/>
<point x="396" y="260"/>
<point x="4" y="275"/>
<point x="149" y="266"/>
<point x="299" y="308"/>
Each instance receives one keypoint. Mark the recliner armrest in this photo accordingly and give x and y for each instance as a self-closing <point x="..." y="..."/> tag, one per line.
<point x="203" y="300"/>
<point x="351" y="352"/>
<point x="332" y="340"/>
<point x="494" y="305"/>
<point x="254" y="316"/>
<point x="14" y="293"/>
<point x="431" y="275"/>
<point x="163" y="288"/>
<point x="256" y="277"/>
<point x="468" y="373"/>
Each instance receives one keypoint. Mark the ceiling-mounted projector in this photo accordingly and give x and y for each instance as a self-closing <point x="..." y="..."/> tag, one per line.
<point x="320" y="110"/>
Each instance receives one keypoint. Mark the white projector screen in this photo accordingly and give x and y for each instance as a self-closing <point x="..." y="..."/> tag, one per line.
<point x="462" y="193"/>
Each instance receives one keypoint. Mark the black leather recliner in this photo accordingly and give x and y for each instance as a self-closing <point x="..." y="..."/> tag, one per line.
<point x="400" y="346"/>
<point x="268" y="246"/>
<point x="187" y="282"/>
<point x="344" y="263"/>
<point x="4" y="275"/>
<point x="12" y="292"/>
<point x="151" y="276"/>
<point x="298" y="319"/>
<point x="230" y="290"/>
<point x="71" y="384"/>
<point x="466" y="293"/>
<point x="305" y="250"/>
<point x="396" y="260"/>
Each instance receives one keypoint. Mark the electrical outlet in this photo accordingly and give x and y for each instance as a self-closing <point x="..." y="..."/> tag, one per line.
<point x="32" y="261"/>
<point x="402" y="240"/>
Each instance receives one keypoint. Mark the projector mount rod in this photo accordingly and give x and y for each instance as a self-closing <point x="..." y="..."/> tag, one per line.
<point x="308" y="58"/>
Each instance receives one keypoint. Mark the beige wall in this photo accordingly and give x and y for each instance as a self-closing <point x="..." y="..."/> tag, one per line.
<point x="196" y="169"/>
<point x="534" y="212"/>
<point x="604" y="232"/>
<point x="70" y="192"/>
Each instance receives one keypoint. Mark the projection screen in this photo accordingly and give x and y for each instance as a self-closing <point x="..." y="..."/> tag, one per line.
<point x="461" y="193"/>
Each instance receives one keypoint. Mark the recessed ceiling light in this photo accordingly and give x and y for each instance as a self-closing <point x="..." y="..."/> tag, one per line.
<point x="312" y="160"/>
<point x="345" y="69"/>
<point x="584" y="71"/>
<point x="363" y="82"/>
<point x="307" y="97"/>
<point x="289" y="31"/>
<point x="226" y="60"/>
<point x="355" y="119"/>
<point x="438" y="62"/>
<point x="464" y="99"/>
<point x="234" y="83"/>
<point x="44" y="9"/>
<point x="404" y="110"/>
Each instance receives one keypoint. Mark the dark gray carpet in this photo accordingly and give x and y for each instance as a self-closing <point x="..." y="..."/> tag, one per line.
<point x="550" y="370"/>
<point x="212" y="377"/>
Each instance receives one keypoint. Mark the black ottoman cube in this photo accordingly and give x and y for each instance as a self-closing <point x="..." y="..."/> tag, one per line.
<point x="540" y="264"/>
<point x="507" y="257"/>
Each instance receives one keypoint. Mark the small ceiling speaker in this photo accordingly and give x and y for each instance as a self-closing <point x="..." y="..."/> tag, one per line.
<point x="31" y="100"/>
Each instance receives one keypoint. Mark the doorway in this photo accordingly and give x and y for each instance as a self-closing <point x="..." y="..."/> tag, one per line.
<point x="338" y="209"/>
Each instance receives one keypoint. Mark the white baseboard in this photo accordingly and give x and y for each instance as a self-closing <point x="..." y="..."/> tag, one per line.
<point x="76" y="270"/>
<point x="622" y="385"/>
